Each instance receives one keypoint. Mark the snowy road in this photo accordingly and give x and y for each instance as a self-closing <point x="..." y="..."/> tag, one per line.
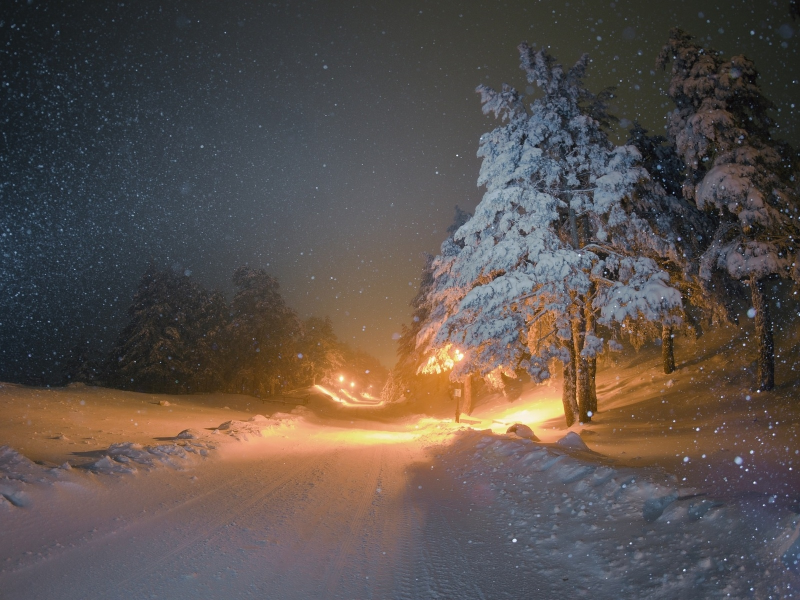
<point x="338" y="523"/>
<point x="402" y="515"/>
<point x="291" y="525"/>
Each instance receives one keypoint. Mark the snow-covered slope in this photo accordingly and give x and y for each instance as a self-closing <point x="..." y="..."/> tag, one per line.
<point x="573" y="521"/>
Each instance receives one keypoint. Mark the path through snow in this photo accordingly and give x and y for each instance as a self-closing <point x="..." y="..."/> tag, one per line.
<point x="436" y="514"/>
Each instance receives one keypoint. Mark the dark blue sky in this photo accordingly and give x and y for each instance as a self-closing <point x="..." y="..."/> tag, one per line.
<point x="326" y="142"/>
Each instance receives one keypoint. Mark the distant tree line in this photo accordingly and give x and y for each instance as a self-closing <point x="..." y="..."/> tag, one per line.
<point x="181" y="338"/>
<point x="579" y="242"/>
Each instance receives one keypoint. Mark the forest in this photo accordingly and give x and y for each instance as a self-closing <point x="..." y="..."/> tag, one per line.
<point x="579" y="243"/>
<point x="181" y="338"/>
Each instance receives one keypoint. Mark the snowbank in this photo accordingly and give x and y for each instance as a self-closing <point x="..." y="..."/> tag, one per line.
<point x="21" y="478"/>
<point x="632" y="525"/>
<point x="258" y="425"/>
<point x="128" y="457"/>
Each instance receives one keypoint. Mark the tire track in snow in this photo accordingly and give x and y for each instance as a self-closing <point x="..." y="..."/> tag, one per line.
<point x="83" y="540"/>
<point x="447" y="571"/>
<point x="357" y="523"/>
<point x="145" y="546"/>
<point x="402" y="534"/>
<point x="214" y="527"/>
<point x="304" y="530"/>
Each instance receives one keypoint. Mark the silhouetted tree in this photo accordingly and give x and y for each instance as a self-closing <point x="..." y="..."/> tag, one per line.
<point x="264" y="336"/>
<point x="82" y="364"/>
<point x="206" y="337"/>
<point x="161" y="348"/>
<point x="322" y="354"/>
<point x="721" y="130"/>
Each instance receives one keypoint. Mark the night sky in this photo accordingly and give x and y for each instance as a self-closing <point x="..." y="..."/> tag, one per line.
<point x="326" y="142"/>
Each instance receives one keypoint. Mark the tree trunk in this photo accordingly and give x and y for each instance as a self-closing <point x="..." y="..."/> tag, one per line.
<point x="765" y="370"/>
<point x="584" y="380"/>
<point x="568" y="391"/>
<point x="667" y="349"/>
<point x="582" y="385"/>
<point x="468" y="395"/>
<point x="458" y="407"/>
<point x="592" y="362"/>
<point x="573" y="229"/>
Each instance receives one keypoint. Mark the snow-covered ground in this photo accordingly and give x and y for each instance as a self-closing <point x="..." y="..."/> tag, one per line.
<point x="682" y="487"/>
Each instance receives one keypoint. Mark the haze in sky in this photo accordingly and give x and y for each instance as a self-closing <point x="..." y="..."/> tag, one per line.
<point x="326" y="142"/>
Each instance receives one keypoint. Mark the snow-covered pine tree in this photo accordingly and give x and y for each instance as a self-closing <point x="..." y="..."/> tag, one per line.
<point x="685" y="231"/>
<point x="636" y="243"/>
<point x="721" y="130"/>
<point x="522" y="280"/>
<point x="404" y="378"/>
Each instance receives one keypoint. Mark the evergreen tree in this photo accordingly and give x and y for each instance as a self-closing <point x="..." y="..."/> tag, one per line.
<point x="264" y="336"/>
<point x="82" y="365"/>
<point x="157" y="351"/>
<point x="721" y="130"/>
<point x="207" y="343"/>
<point x="404" y="378"/>
<point x="322" y="355"/>
<point x="549" y="252"/>
<point x="689" y="232"/>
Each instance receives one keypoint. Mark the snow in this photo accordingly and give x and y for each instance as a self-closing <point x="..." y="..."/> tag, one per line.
<point x="522" y="268"/>
<point x="654" y="499"/>
<point x="572" y="440"/>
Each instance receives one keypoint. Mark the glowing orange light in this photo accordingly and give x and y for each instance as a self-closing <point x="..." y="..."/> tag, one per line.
<point x="444" y="359"/>
<point x="532" y="409"/>
<point x="345" y="398"/>
<point x="341" y="377"/>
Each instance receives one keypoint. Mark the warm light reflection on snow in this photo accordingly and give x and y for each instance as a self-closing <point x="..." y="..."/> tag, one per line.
<point x="351" y="398"/>
<point x="431" y="427"/>
<point x="368" y="436"/>
<point x="329" y="393"/>
<point x="531" y="412"/>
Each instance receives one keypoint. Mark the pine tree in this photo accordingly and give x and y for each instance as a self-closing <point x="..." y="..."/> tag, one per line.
<point x="264" y="336"/>
<point x="404" y="378"/>
<point x="549" y="253"/>
<point x="207" y="341"/>
<point x="689" y="232"/>
<point x="322" y="355"/>
<point x="157" y="349"/>
<point x="82" y="364"/>
<point x="721" y="130"/>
